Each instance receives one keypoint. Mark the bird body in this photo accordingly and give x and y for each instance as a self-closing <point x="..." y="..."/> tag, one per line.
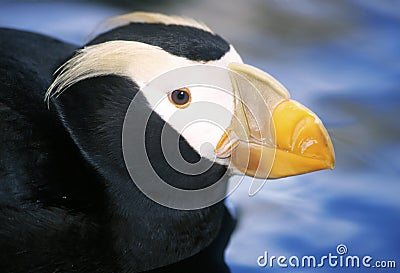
<point x="68" y="200"/>
<point x="53" y="204"/>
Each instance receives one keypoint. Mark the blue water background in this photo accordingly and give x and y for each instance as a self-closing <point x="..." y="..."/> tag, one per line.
<point x="339" y="58"/>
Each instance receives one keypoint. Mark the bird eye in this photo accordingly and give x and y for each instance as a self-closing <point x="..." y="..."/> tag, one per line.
<point x="181" y="98"/>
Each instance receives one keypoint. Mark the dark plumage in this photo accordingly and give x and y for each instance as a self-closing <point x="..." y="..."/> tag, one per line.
<point x="67" y="203"/>
<point x="191" y="43"/>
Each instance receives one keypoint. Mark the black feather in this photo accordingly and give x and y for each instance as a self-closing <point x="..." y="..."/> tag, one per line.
<point x="67" y="203"/>
<point x="183" y="41"/>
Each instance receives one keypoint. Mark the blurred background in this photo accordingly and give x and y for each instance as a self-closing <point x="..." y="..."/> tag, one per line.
<point x="341" y="59"/>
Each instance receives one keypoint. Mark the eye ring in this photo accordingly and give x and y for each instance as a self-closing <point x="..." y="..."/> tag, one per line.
<point x="181" y="97"/>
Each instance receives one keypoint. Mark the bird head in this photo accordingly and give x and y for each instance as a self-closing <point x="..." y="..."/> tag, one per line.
<point x="229" y="113"/>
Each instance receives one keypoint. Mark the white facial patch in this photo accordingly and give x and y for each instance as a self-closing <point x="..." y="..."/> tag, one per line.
<point x="203" y="122"/>
<point x="211" y="109"/>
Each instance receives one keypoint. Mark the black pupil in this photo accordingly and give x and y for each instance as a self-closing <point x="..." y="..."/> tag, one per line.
<point x="180" y="97"/>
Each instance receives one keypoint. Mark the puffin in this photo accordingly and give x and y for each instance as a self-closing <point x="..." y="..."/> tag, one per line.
<point x="116" y="156"/>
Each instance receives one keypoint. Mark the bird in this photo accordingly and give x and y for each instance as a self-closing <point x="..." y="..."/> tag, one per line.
<point x="76" y="193"/>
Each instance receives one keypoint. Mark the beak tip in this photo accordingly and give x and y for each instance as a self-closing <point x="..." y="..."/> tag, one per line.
<point x="332" y="164"/>
<point x="304" y="141"/>
<point x="332" y="158"/>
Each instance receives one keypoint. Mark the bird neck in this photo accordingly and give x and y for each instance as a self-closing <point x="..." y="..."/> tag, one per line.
<point x="146" y="235"/>
<point x="142" y="233"/>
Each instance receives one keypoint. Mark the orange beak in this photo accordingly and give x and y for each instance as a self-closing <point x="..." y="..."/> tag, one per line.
<point x="272" y="136"/>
